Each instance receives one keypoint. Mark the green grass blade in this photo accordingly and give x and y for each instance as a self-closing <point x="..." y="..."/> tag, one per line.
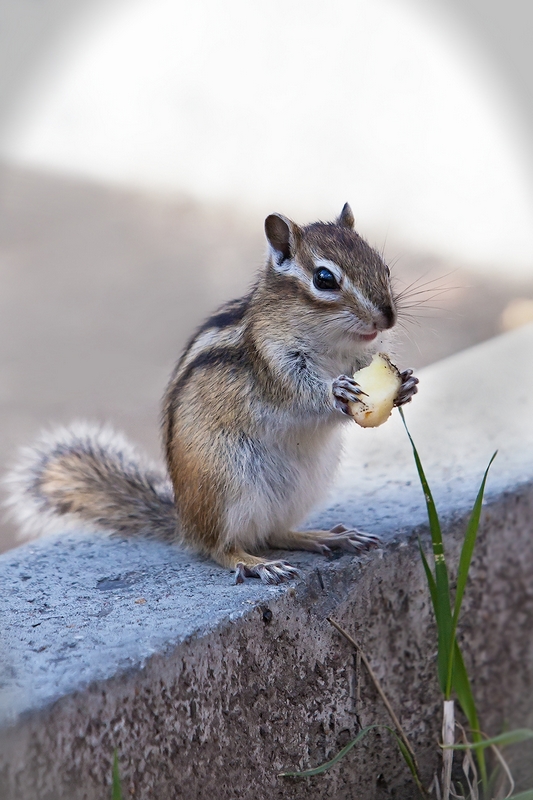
<point x="463" y="690"/>
<point x="406" y="755"/>
<point x="522" y="796"/>
<point x="430" y="579"/>
<point x="116" y="791"/>
<point x="309" y="773"/>
<point x="434" y="523"/>
<point x="441" y="599"/>
<point x="434" y="600"/>
<point x="502" y="740"/>
<point x="464" y="565"/>
<point x="409" y="761"/>
<point x="457" y="675"/>
<point x="469" y="543"/>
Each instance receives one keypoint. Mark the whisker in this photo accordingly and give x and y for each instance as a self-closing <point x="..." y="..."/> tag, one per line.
<point x="404" y="323"/>
<point x="416" y="287"/>
<point x="392" y="264"/>
<point x="409" y="318"/>
<point x="433" y="280"/>
<point x="419" y="306"/>
<point x="421" y="302"/>
<point x="423" y="293"/>
<point x="411" y="340"/>
<point x="439" y="289"/>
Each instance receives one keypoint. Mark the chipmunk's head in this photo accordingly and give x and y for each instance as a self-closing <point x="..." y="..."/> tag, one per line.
<point x="329" y="268"/>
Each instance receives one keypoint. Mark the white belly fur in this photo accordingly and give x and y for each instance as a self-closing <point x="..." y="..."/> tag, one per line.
<point x="299" y="471"/>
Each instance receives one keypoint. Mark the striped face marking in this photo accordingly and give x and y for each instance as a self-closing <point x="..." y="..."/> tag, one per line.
<point x="346" y="287"/>
<point x="325" y="263"/>
<point x="291" y="269"/>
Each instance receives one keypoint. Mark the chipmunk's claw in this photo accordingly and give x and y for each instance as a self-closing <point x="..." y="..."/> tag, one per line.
<point x="408" y="388"/>
<point x="345" y="390"/>
<point x="351" y="540"/>
<point x="270" y="572"/>
<point x="240" y="573"/>
<point x="323" y="549"/>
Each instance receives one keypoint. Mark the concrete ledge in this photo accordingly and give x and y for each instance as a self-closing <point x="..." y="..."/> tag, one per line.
<point x="204" y="687"/>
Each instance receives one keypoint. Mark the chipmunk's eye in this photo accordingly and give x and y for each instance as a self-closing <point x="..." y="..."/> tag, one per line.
<point x="325" y="280"/>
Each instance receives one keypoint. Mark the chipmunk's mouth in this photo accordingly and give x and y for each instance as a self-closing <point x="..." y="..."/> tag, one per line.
<point x="367" y="337"/>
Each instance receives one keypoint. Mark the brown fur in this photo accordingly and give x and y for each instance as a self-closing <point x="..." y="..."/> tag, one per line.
<point x="249" y="419"/>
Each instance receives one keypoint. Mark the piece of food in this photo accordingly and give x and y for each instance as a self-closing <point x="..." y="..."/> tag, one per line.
<point x="381" y="382"/>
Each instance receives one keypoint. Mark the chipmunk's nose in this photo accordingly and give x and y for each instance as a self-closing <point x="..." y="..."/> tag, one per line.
<point x="388" y="317"/>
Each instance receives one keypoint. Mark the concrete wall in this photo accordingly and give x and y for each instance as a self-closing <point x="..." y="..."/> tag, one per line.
<point x="206" y="687"/>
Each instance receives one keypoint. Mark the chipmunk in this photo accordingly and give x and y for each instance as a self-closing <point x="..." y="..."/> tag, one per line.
<point x="252" y="417"/>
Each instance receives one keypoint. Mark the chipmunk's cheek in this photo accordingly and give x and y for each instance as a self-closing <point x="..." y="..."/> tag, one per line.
<point x="381" y="383"/>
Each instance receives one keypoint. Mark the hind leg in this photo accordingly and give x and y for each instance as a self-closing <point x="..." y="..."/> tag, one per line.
<point x="338" y="538"/>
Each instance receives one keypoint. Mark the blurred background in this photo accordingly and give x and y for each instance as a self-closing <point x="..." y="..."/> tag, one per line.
<point x="142" y="143"/>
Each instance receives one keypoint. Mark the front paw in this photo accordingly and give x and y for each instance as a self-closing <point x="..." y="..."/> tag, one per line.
<point x="408" y="389"/>
<point x="345" y="391"/>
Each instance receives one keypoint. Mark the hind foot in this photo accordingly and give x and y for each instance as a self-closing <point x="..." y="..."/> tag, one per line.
<point x="270" y="572"/>
<point x="248" y="566"/>
<point x="350" y="540"/>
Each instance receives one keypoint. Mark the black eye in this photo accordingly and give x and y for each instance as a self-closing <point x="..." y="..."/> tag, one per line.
<point x="325" y="280"/>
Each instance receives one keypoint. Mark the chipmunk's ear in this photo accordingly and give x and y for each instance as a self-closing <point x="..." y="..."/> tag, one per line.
<point x="346" y="218"/>
<point x="282" y="235"/>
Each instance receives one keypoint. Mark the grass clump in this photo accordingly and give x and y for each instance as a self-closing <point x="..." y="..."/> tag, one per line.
<point x="452" y="676"/>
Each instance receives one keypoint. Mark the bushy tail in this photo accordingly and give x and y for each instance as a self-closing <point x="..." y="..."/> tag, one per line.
<point x="91" y="477"/>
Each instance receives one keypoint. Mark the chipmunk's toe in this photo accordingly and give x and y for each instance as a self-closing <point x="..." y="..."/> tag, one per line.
<point x="270" y="572"/>
<point x="408" y="388"/>
<point x="350" y="540"/>
<point x="345" y="390"/>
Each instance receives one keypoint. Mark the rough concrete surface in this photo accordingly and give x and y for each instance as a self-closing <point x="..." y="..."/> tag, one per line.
<point x="204" y="687"/>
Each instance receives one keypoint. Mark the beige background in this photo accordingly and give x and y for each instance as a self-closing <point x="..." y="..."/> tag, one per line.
<point x="104" y="273"/>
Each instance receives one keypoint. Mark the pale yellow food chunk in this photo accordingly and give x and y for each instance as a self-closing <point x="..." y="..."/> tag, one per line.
<point x="381" y="382"/>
